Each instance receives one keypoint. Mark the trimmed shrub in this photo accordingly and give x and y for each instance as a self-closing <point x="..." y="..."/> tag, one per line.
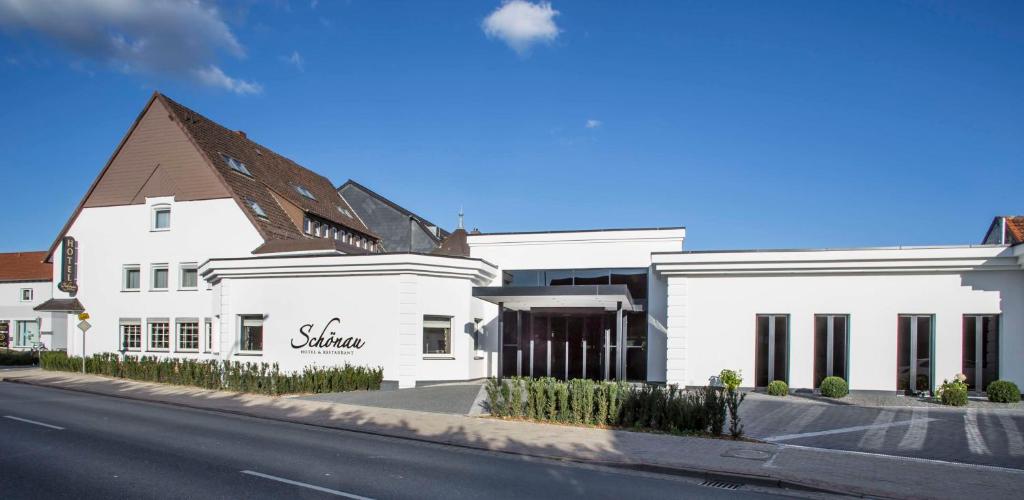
<point x="1003" y="391"/>
<point x="10" y="357"/>
<point x="834" y="387"/>
<point x="778" y="388"/>
<point x="731" y="379"/>
<point x="953" y="393"/>
<point x="259" y="378"/>
<point x="647" y="407"/>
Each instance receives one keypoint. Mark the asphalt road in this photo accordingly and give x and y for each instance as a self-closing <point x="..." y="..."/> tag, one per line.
<point x="978" y="436"/>
<point x="62" y="444"/>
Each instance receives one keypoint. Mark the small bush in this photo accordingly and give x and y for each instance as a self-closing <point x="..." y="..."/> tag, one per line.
<point x="731" y="379"/>
<point x="733" y="399"/>
<point x="834" y="387"/>
<point x="953" y="393"/>
<point x="1003" y="391"/>
<point x="777" y="388"/>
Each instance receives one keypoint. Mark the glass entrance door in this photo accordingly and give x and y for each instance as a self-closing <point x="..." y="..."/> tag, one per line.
<point x="980" y="350"/>
<point x="772" y="349"/>
<point x="830" y="346"/>
<point x="914" y="353"/>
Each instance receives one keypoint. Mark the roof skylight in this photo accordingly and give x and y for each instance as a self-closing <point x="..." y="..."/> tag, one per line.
<point x="236" y="165"/>
<point x="305" y="192"/>
<point x="256" y="208"/>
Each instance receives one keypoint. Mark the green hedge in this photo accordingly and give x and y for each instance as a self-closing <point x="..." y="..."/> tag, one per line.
<point x="10" y="357"/>
<point x="1003" y="391"/>
<point x="834" y="387"/>
<point x="588" y="402"/>
<point x="259" y="378"/>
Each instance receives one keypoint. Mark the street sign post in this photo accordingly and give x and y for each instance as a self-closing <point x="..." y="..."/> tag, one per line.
<point x="84" y="326"/>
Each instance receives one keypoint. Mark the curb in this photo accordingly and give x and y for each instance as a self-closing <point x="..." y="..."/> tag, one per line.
<point x="706" y="474"/>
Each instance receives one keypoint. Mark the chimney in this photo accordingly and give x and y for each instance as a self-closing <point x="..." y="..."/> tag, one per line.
<point x="241" y="133"/>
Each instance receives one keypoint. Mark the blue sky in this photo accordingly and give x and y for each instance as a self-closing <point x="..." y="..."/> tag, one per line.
<point x="754" y="124"/>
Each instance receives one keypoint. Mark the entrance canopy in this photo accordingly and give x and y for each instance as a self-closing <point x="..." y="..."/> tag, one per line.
<point x="525" y="298"/>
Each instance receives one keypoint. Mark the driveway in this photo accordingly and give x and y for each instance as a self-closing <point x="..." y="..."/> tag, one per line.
<point x="982" y="436"/>
<point x="455" y="398"/>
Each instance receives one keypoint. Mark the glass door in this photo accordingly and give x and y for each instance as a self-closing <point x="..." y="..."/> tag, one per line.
<point x="914" y="353"/>
<point x="771" y="349"/>
<point x="831" y="343"/>
<point x="980" y="350"/>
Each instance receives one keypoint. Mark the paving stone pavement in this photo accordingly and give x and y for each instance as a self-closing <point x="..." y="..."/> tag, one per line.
<point x="455" y="399"/>
<point x="981" y="436"/>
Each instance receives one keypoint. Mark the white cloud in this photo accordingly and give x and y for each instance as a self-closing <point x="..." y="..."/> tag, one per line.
<point x="214" y="77"/>
<point x="520" y="24"/>
<point x="593" y="123"/>
<point x="173" y="37"/>
<point x="295" y="59"/>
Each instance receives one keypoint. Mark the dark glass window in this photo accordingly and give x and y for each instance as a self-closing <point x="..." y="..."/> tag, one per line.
<point x="824" y="345"/>
<point x="771" y="349"/>
<point x="980" y="350"/>
<point x="913" y="352"/>
<point x="634" y="279"/>
<point x="557" y="277"/>
<point x="523" y="278"/>
<point x="591" y="277"/>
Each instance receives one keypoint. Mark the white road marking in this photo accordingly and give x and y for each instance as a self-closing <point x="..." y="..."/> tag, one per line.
<point x="305" y="485"/>
<point x="1014" y="440"/>
<point x="914" y="438"/>
<point x="804" y="417"/>
<point x="842" y="430"/>
<point x="974" y="440"/>
<point x="908" y="459"/>
<point x="27" y="421"/>
<point x="874" y="438"/>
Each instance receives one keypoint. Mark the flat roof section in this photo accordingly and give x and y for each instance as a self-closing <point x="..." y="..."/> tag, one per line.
<point x="525" y="298"/>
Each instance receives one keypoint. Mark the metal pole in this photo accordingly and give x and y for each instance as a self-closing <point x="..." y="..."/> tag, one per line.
<point x="83" y="350"/>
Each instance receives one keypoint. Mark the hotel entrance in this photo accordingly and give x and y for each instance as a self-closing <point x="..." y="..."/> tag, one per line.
<point x="564" y="344"/>
<point x="567" y="324"/>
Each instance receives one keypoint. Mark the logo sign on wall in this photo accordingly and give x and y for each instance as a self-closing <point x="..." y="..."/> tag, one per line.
<point x="69" y="267"/>
<point x="325" y="340"/>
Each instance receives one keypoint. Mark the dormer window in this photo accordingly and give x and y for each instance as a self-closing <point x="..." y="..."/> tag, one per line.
<point x="256" y="208"/>
<point x="161" y="218"/>
<point x="305" y="192"/>
<point x="236" y="165"/>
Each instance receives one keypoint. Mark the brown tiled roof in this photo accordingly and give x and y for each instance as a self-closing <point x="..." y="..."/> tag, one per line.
<point x="25" y="266"/>
<point x="455" y="245"/>
<point x="1015" y="228"/>
<point x="60" y="305"/>
<point x="271" y="172"/>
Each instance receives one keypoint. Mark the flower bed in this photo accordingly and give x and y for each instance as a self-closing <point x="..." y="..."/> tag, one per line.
<point x="259" y="378"/>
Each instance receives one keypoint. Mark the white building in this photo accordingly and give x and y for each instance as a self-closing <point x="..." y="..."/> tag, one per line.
<point x="24" y="284"/>
<point x="196" y="242"/>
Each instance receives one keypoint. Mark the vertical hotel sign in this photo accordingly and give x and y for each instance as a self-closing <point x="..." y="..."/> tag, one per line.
<point x="69" y="267"/>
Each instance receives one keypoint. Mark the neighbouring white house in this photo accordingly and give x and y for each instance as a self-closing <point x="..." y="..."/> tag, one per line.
<point x="24" y="284"/>
<point x="195" y="241"/>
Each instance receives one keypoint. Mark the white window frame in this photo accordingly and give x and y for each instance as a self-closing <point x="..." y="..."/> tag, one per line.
<point x="302" y="190"/>
<point x="256" y="208"/>
<point x="163" y="207"/>
<point x="187" y="266"/>
<point x="31" y="295"/>
<point x="153" y="268"/>
<point x="16" y="332"/>
<point x="448" y="337"/>
<point x="124" y="277"/>
<point x="122" y="323"/>
<point x="178" y="337"/>
<point x="150" y="323"/>
<point x="242" y="318"/>
<point x="208" y="340"/>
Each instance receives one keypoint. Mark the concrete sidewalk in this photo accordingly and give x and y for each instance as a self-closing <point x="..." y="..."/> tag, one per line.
<point x="830" y="470"/>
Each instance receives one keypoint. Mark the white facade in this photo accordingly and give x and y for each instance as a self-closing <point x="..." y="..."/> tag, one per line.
<point x="113" y="239"/>
<point x="713" y="299"/>
<point x="25" y="326"/>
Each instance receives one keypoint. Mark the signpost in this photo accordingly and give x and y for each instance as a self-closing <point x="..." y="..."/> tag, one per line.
<point x="84" y="326"/>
